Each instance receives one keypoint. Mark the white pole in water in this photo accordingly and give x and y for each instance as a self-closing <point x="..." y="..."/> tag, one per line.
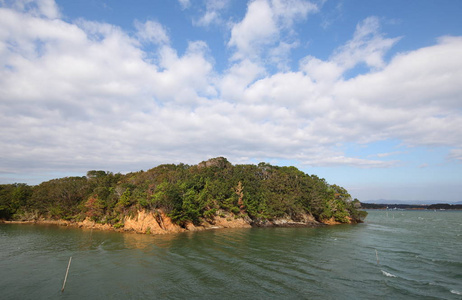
<point x="67" y="272"/>
<point x="377" y="255"/>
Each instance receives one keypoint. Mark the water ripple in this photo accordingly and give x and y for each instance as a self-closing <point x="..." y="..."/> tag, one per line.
<point x="418" y="258"/>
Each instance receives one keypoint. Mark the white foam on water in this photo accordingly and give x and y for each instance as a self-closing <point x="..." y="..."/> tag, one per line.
<point x="456" y="292"/>
<point x="387" y="274"/>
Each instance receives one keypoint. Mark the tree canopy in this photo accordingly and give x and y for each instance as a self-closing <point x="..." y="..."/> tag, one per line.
<point x="185" y="193"/>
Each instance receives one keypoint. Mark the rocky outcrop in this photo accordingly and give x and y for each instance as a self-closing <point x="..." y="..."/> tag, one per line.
<point x="87" y="223"/>
<point x="219" y="162"/>
<point x="330" y="221"/>
<point x="301" y="220"/>
<point x="230" y="221"/>
<point x="157" y="222"/>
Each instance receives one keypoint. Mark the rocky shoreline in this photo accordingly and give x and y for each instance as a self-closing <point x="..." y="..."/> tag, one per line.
<point x="157" y="223"/>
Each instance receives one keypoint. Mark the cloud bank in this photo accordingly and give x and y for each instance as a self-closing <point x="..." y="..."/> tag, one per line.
<point x="83" y="95"/>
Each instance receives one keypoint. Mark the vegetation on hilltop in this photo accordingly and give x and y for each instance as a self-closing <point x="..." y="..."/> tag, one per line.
<point x="185" y="193"/>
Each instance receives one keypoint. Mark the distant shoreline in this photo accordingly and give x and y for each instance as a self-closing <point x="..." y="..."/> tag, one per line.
<point x="438" y="206"/>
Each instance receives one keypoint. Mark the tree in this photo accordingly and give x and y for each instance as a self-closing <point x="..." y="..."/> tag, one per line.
<point x="94" y="208"/>
<point x="13" y="198"/>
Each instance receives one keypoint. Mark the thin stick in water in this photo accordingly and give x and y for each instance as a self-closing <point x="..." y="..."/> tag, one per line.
<point x="67" y="272"/>
<point x="377" y="255"/>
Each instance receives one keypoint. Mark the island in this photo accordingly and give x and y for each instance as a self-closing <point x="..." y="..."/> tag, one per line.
<point x="179" y="197"/>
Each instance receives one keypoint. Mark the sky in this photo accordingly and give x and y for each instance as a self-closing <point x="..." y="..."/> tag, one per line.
<point x="366" y="94"/>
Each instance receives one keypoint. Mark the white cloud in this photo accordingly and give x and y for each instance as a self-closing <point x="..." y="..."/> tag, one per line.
<point x="367" y="46"/>
<point x="268" y="25"/>
<point x="208" y="18"/>
<point x="257" y="29"/>
<point x="238" y="78"/>
<point x="152" y="31"/>
<point x="279" y="55"/>
<point x="212" y="15"/>
<point x="80" y="95"/>
<point x="424" y="77"/>
<point x="49" y="8"/>
<point x="456" y="154"/>
<point x="83" y="95"/>
<point x="349" y="161"/>
<point x="184" y="79"/>
<point x="46" y="8"/>
<point x="389" y="153"/>
<point x="288" y="11"/>
<point x="185" y="3"/>
<point x="418" y="91"/>
<point x="321" y="71"/>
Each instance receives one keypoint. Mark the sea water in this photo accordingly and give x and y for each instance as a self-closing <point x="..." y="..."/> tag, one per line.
<point x="393" y="255"/>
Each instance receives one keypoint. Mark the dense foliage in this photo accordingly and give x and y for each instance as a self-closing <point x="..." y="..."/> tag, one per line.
<point x="185" y="193"/>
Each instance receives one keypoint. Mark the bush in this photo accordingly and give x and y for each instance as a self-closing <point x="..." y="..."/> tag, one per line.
<point x="118" y="225"/>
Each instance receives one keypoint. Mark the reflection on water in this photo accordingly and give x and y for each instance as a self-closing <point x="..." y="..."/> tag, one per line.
<point x="419" y="257"/>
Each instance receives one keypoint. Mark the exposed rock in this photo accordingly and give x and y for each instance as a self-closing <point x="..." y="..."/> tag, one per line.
<point x="191" y="227"/>
<point x="87" y="223"/>
<point x="157" y="222"/>
<point x="151" y="222"/>
<point x="301" y="220"/>
<point x="148" y="222"/>
<point x="330" y="221"/>
<point x="230" y="221"/>
<point x="219" y="162"/>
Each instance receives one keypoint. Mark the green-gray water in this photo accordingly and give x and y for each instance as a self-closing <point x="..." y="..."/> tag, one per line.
<point x="419" y="258"/>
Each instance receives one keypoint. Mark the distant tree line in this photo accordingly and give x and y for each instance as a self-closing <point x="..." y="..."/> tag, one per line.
<point x="445" y="206"/>
<point x="411" y="206"/>
<point x="185" y="193"/>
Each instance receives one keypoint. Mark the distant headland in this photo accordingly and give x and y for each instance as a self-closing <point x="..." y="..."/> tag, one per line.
<point x="176" y="198"/>
<point x="438" y="206"/>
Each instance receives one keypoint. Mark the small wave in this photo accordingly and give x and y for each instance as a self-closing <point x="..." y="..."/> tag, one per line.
<point x="456" y="292"/>
<point x="387" y="274"/>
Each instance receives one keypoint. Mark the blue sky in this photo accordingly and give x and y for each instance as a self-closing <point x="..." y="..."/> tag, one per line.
<point x="366" y="94"/>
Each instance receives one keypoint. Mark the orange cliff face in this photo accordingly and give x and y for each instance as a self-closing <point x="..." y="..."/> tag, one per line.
<point x="153" y="223"/>
<point x="157" y="222"/>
